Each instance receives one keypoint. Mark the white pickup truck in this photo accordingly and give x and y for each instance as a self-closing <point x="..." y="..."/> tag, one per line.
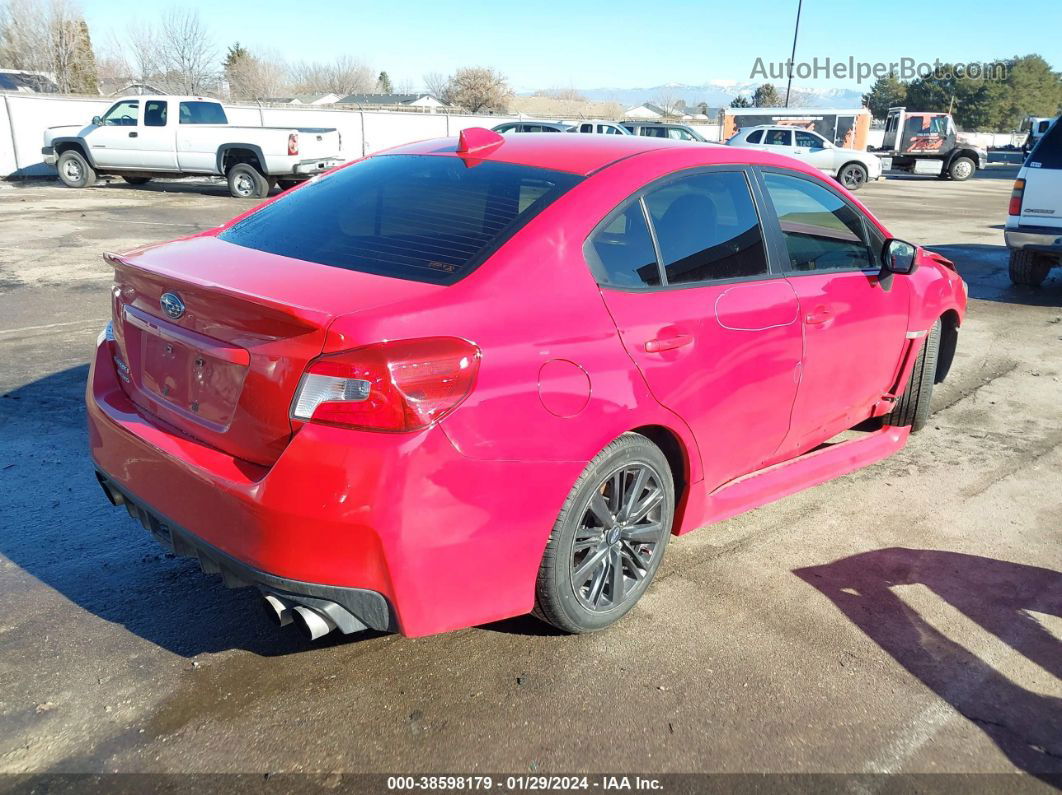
<point x="154" y="136"/>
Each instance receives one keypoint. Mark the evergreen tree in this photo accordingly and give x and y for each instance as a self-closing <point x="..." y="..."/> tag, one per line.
<point x="383" y="84"/>
<point x="887" y="92"/>
<point x="766" y="96"/>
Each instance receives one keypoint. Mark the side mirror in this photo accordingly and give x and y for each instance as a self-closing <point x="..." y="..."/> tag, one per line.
<point x="898" y="256"/>
<point x="97" y="121"/>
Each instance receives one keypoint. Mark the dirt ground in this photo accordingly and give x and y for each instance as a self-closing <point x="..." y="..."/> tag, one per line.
<point x="906" y="618"/>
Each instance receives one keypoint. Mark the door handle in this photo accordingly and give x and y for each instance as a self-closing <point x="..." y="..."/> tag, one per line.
<point x="132" y="134"/>
<point x="668" y="343"/>
<point x="819" y="314"/>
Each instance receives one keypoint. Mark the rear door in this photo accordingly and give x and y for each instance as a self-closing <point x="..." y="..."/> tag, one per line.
<point x="1042" y="203"/>
<point x="854" y="328"/>
<point x="684" y="273"/>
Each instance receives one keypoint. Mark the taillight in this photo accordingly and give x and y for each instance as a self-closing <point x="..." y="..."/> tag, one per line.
<point x="403" y="385"/>
<point x="293" y="143"/>
<point x="1016" y="197"/>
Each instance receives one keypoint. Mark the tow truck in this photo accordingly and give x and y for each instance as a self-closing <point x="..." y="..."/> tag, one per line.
<point x="924" y="142"/>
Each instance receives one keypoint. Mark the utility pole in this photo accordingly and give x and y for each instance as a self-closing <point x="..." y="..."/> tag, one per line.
<point x="792" y="57"/>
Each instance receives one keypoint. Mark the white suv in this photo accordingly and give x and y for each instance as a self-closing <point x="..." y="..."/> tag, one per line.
<point x="1034" y="220"/>
<point x="851" y="167"/>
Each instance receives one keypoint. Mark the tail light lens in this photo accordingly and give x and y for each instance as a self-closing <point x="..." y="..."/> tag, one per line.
<point x="293" y="144"/>
<point x="1016" y="197"/>
<point x="397" y="386"/>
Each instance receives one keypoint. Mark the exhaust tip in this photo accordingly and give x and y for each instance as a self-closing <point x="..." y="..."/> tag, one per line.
<point x="314" y="624"/>
<point x="279" y="611"/>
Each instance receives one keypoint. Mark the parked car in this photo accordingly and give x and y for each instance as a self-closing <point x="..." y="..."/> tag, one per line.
<point x="599" y="127"/>
<point x="1034" y="219"/>
<point x="850" y="167"/>
<point x="678" y="132"/>
<point x="531" y="127"/>
<point x="928" y="142"/>
<point x="142" y="137"/>
<point x="416" y="395"/>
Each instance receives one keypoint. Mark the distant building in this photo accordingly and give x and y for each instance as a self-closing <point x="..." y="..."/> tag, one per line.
<point x="304" y="99"/>
<point x="419" y="101"/>
<point x="126" y="86"/>
<point x="27" y="82"/>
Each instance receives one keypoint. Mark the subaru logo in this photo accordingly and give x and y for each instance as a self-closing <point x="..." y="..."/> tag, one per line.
<point x="172" y="305"/>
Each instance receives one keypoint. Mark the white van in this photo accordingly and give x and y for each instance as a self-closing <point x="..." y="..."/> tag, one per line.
<point x="1034" y="219"/>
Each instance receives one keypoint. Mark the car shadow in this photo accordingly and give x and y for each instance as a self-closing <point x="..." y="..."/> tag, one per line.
<point x="202" y="186"/>
<point x="998" y="596"/>
<point x="995" y="170"/>
<point x="57" y="526"/>
<point x="985" y="269"/>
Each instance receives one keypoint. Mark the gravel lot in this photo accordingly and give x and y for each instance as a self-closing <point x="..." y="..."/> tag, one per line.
<point x="905" y="618"/>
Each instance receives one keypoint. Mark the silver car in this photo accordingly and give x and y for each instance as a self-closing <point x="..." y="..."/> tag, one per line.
<point x="851" y="167"/>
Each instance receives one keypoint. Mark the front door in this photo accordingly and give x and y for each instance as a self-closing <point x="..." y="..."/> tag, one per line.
<point x="811" y="148"/>
<point x="854" y="327"/>
<point x="109" y="143"/>
<point x="717" y="339"/>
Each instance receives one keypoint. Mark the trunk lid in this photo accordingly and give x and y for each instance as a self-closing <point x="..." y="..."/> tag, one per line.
<point x="212" y="338"/>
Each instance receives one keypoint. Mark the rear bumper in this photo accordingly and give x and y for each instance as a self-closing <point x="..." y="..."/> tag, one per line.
<point x="1036" y="238"/>
<point x="444" y="540"/>
<point x="309" y="167"/>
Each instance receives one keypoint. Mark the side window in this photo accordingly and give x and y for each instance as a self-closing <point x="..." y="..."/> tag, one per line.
<point x="678" y="134"/>
<point x="778" y="138"/>
<point x="202" y="113"/>
<point x="155" y="113"/>
<point x="822" y="233"/>
<point x="811" y="141"/>
<point x="707" y="228"/>
<point x="122" y="114"/>
<point x="654" y="132"/>
<point x="586" y="128"/>
<point x="755" y="136"/>
<point x="621" y="252"/>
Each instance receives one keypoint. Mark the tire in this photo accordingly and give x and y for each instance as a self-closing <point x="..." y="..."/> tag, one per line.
<point x="1027" y="268"/>
<point x="577" y="588"/>
<point x="912" y="407"/>
<point x="137" y="180"/>
<point x="247" y="182"/>
<point x="961" y="169"/>
<point x="74" y="170"/>
<point x="853" y="176"/>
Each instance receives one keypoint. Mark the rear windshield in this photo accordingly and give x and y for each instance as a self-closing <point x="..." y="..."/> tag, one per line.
<point x="421" y="217"/>
<point x="1048" y="152"/>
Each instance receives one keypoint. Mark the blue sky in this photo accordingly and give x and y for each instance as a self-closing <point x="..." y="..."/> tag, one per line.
<point x="612" y="43"/>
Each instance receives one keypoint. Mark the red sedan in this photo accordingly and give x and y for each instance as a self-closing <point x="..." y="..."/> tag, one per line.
<point x="469" y="379"/>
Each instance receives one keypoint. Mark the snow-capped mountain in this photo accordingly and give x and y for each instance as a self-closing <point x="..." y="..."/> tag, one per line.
<point x="719" y="93"/>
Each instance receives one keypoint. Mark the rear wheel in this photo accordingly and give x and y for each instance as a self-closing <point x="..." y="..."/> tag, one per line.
<point x="609" y="539"/>
<point x="912" y="407"/>
<point x="1028" y="268"/>
<point x="137" y="180"/>
<point x="74" y="170"/>
<point x="961" y="168"/>
<point x="853" y="176"/>
<point x="247" y="182"/>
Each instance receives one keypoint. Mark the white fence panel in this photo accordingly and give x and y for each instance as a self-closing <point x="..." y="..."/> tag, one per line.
<point x="30" y="116"/>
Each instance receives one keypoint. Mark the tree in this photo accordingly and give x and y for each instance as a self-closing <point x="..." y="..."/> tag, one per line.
<point x="50" y="37"/>
<point x="766" y="96"/>
<point x="887" y="92"/>
<point x="253" y="75"/>
<point x="1033" y="89"/>
<point x="477" y="88"/>
<point x="741" y="101"/>
<point x="187" y="56"/>
<point x="383" y="84"/>
<point x="343" y="76"/>
<point x="437" y="85"/>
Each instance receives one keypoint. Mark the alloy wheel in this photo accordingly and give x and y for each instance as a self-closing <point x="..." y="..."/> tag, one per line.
<point x="619" y="534"/>
<point x="853" y="177"/>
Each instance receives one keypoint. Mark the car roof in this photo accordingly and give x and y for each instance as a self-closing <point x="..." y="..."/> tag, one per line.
<point x="585" y="154"/>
